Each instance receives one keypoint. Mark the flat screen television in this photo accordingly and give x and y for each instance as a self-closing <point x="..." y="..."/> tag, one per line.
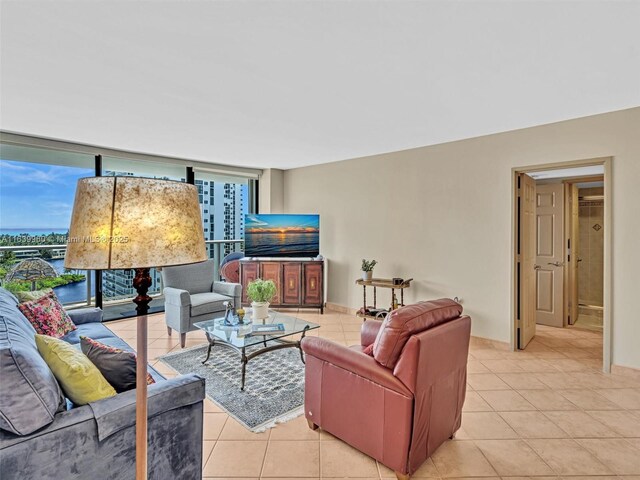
<point x="281" y="235"/>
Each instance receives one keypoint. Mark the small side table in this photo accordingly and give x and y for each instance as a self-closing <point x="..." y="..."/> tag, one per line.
<point x="381" y="283"/>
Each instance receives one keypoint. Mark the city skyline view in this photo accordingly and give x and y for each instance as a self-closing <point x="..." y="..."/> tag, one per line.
<point x="36" y="200"/>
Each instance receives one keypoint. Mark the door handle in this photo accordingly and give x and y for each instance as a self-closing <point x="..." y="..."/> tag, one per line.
<point x="537" y="267"/>
<point x="556" y="264"/>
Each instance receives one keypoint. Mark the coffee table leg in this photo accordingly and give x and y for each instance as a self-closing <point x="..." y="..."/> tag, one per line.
<point x="208" y="351"/>
<point x="245" y="360"/>
<point x="299" y="343"/>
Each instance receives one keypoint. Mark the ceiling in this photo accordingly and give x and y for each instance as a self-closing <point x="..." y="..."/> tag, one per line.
<point x="292" y="83"/>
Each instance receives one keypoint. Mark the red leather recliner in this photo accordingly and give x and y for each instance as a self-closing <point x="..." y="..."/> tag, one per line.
<point x="399" y="405"/>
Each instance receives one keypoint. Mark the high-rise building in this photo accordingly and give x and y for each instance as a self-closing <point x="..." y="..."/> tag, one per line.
<point x="223" y="208"/>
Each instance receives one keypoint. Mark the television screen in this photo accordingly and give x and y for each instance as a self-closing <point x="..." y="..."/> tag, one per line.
<point x="275" y="235"/>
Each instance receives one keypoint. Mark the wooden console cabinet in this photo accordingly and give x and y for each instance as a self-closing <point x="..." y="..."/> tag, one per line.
<point x="299" y="283"/>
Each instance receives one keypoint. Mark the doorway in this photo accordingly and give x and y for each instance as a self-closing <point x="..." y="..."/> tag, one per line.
<point x="586" y="287"/>
<point x="561" y="250"/>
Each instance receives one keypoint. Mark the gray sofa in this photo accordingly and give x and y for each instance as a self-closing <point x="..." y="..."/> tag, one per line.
<point x="191" y="295"/>
<point x="42" y="436"/>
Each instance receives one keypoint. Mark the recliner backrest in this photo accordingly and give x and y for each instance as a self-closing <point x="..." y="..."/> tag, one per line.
<point x="401" y="324"/>
<point x="194" y="278"/>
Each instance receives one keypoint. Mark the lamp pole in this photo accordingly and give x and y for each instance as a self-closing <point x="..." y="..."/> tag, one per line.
<point x="141" y="398"/>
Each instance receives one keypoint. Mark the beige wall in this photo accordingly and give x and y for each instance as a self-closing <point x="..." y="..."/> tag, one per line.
<point x="271" y="191"/>
<point x="442" y="215"/>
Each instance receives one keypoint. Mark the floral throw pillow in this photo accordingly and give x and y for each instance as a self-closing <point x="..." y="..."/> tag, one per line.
<point x="47" y="315"/>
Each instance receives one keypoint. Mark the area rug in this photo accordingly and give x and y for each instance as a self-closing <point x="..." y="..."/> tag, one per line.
<point x="273" y="391"/>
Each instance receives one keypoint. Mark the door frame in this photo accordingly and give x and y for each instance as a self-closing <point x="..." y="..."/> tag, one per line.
<point x="607" y="281"/>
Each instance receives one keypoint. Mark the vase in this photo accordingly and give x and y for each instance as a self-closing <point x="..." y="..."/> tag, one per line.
<point x="260" y="310"/>
<point x="367" y="275"/>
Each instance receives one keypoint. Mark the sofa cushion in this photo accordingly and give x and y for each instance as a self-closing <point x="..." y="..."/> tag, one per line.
<point x="94" y="330"/>
<point x="116" y="365"/>
<point x="34" y="396"/>
<point x="210" y="302"/>
<point x="47" y="315"/>
<point x="81" y="380"/>
<point x="194" y="278"/>
<point x="400" y="324"/>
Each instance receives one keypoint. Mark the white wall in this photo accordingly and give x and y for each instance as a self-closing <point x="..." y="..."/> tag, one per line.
<point x="442" y="215"/>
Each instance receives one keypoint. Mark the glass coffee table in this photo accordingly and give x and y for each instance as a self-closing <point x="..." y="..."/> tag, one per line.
<point x="239" y="336"/>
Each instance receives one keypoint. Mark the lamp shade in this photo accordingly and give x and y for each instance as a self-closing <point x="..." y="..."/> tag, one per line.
<point x="132" y="222"/>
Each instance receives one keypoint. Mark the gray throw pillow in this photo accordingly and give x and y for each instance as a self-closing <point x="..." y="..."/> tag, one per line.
<point x="31" y="396"/>
<point x="115" y="364"/>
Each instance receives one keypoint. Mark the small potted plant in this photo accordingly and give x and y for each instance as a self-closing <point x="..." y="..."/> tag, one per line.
<point x="260" y="292"/>
<point x="367" y="268"/>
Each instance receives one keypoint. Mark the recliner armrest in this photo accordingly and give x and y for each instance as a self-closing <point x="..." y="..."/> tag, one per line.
<point x="229" y="289"/>
<point x="85" y="315"/>
<point x="176" y="296"/>
<point x="369" y="332"/>
<point x="354" y="362"/>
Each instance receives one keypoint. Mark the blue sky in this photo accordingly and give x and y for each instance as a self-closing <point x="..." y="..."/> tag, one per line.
<point x="34" y="195"/>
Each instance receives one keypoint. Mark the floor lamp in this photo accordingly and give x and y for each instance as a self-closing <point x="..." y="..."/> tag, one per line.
<point x="135" y="223"/>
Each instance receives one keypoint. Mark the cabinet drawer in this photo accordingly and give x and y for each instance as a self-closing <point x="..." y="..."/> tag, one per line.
<point x="291" y="291"/>
<point x="248" y="273"/>
<point x="273" y="271"/>
<point x="312" y="284"/>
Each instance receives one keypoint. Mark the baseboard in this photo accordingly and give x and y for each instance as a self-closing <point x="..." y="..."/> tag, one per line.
<point x="506" y="346"/>
<point x="626" y="371"/>
<point x="498" y="345"/>
<point x="339" y="308"/>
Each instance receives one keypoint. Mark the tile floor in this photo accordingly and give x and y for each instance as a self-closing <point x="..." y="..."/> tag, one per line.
<point x="547" y="412"/>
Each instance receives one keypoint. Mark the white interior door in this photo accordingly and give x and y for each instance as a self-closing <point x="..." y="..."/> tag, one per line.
<point x="527" y="258"/>
<point x="549" y="254"/>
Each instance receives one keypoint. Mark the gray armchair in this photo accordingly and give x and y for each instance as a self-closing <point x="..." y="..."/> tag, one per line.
<point x="191" y="295"/>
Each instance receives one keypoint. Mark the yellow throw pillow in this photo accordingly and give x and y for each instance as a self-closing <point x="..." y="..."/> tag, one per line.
<point x="80" y="379"/>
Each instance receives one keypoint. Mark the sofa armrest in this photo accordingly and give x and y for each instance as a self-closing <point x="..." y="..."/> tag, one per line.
<point x="117" y="413"/>
<point x="229" y="289"/>
<point x="85" y="315"/>
<point x="354" y="362"/>
<point x="176" y="296"/>
<point x="369" y="332"/>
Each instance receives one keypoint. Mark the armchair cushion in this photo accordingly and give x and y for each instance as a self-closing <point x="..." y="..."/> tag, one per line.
<point x="210" y="302"/>
<point x="195" y="278"/>
<point x="369" y="332"/>
<point x="400" y="324"/>
<point x="353" y="361"/>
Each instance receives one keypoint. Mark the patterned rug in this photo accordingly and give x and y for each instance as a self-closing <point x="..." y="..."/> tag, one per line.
<point x="274" y="386"/>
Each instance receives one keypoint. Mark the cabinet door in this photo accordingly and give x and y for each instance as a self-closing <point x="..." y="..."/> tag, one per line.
<point x="273" y="271"/>
<point x="292" y="273"/>
<point x="248" y="273"/>
<point x="313" y="283"/>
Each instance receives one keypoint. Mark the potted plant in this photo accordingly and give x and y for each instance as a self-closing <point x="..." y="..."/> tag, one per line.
<point x="367" y="268"/>
<point x="260" y="292"/>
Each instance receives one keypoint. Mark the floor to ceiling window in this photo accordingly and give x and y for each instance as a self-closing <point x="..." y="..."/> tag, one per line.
<point x="37" y="189"/>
